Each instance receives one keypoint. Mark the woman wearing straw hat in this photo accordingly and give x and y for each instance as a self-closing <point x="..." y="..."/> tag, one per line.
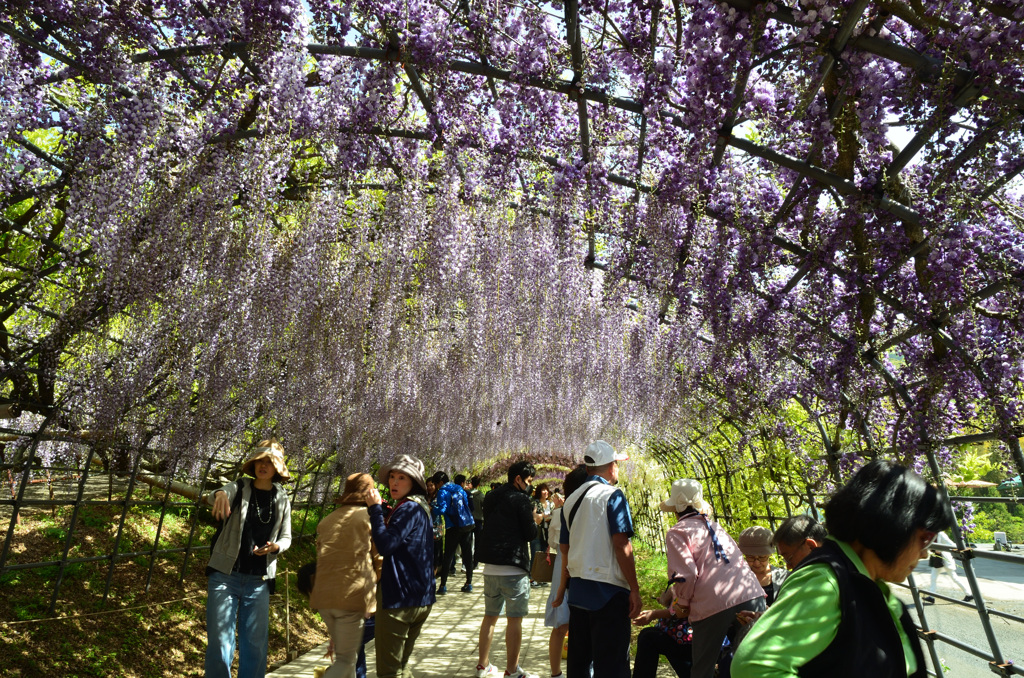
<point x="346" y="579"/>
<point x="405" y="540"/>
<point x="243" y="561"/>
<point x="712" y="583"/>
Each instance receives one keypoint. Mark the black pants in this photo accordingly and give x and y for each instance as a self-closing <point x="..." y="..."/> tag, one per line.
<point x="477" y="529"/>
<point x="457" y="536"/>
<point x="600" y="637"/>
<point x="653" y="642"/>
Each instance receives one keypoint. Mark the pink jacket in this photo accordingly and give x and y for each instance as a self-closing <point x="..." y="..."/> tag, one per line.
<point x="711" y="585"/>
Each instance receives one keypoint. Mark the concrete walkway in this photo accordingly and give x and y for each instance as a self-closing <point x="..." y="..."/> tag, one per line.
<point x="447" y="647"/>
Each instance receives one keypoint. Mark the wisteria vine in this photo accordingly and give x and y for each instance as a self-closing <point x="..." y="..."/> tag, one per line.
<point x="478" y="228"/>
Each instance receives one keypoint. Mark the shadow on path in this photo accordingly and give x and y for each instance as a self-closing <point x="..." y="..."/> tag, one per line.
<point x="447" y="646"/>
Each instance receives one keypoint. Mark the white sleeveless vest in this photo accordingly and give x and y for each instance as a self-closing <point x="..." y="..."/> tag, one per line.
<point x="590" y="544"/>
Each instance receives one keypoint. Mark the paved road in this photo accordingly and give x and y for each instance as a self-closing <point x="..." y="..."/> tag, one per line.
<point x="1002" y="587"/>
<point x="447" y="647"/>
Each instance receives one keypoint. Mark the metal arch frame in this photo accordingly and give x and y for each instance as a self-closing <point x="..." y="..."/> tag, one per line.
<point x="805" y="168"/>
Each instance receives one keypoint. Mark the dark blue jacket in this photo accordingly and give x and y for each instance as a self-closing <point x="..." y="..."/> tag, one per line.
<point x="406" y="542"/>
<point x="453" y="503"/>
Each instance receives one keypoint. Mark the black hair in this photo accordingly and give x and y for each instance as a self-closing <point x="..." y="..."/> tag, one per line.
<point x="475" y="481"/>
<point x="304" y="578"/>
<point x="417" y="489"/>
<point x="440" y="478"/>
<point x="883" y="506"/>
<point x="537" y="490"/>
<point x="523" y="469"/>
<point x="797" y="529"/>
<point x="574" y="479"/>
<point x="460" y="480"/>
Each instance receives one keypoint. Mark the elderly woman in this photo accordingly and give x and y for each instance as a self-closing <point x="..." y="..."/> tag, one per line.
<point x="756" y="545"/>
<point x="243" y="562"/>
<point x="712" y="583"/>
<point x="835" y="615"/>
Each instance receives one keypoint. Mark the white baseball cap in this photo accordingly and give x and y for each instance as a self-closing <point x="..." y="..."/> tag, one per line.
<point x="600" y="453"/>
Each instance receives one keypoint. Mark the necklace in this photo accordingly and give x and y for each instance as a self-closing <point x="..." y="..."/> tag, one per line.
<point x="259" y="510"/>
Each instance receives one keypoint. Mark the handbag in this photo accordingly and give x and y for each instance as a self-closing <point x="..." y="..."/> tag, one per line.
<point x="541" y="570"/>
<point x="678" y="629"/>
<point x="935" y="560"/>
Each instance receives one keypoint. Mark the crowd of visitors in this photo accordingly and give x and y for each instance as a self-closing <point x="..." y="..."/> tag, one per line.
<point x="725" y="611"/>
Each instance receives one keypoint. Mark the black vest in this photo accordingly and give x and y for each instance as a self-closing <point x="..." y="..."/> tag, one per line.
<point x="866" y="643"/>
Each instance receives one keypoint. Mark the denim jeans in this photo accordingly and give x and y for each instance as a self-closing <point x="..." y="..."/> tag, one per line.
<point x="369" y="629"/>
<point x="242" y="600"/>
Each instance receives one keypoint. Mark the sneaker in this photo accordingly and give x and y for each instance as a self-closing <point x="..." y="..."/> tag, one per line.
<point x="928" y="600"/>
<point x="968" y="598"/>
<point x="486" y="672"/>
<point x="468" y="588"/>
<point x="520" y="674"/>
<point x="441" y="590"/>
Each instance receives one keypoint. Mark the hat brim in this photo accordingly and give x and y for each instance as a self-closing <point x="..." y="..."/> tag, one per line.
<point x="250" y="466"/>
<point x="669" y="507"/>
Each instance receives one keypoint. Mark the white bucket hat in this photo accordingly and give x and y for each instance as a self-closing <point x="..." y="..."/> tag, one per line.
<point x="686" y="493"/>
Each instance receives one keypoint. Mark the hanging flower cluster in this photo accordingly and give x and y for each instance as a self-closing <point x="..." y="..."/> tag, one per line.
<point x="466" y="229"/>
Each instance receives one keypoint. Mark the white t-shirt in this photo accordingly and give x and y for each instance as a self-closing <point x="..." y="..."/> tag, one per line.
<point x="503" y="570"/>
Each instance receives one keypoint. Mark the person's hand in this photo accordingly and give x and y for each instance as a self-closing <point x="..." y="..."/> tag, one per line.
<point x="746" y="617"/>
<point x="221" y="505"/>
<point x="559" y="597"/>
<point x="547" y="558"/>
<point x="679" y="610"/>
<point x="269" y="547"/>
<point x="330" y="652"/>
<point x="644" y="618"/>
<point x="372" y="497"/>
<point x="635" y="604"/>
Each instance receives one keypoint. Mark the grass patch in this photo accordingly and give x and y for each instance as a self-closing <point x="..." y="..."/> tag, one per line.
<point x="157" y="641"/>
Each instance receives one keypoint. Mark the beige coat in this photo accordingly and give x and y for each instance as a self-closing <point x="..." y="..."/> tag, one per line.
<point x="346" y="576"/>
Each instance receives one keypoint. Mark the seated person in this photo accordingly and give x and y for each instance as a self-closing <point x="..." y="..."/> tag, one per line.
<point x="796" y="537"/>
<point x="672" y="637"/>
<point x="756" y="545"/>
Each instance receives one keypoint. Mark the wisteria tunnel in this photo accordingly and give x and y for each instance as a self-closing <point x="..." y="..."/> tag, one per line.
<point x="755" y="243"/>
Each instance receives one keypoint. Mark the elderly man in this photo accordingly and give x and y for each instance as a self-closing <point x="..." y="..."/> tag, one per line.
<point x="796" y="537"/>
<point x="596" y="548"/>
